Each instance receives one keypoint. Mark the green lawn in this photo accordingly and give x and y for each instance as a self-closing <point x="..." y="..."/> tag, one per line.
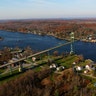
<point x="66" y="61"/>
<point x="9" y="76"/>
<point x="2" y="70"/>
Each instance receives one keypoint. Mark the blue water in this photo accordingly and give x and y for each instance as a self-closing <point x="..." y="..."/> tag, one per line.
<point x="36" y="42"/>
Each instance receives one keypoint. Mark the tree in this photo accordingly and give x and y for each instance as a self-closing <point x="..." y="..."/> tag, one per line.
<point x="55" y="53"/>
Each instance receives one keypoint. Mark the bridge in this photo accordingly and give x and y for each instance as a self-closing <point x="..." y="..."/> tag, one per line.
<point x="47" y="50"/>
<point x="19" y="61"/>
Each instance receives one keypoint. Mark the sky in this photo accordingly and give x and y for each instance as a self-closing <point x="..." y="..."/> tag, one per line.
<point x="33" y="9"/>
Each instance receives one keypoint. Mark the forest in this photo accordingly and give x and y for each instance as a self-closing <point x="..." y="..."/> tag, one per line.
<point x="47" y="83"/>
<point x="58" y="28"/>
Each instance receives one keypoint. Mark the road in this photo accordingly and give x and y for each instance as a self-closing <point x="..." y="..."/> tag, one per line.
<point x="22" y="59"/>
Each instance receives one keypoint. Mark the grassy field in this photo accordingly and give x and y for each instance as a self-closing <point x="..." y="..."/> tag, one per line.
<point x="42" y="63"/>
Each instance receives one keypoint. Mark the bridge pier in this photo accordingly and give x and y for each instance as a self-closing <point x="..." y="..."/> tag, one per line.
<point x="72" y="41"/>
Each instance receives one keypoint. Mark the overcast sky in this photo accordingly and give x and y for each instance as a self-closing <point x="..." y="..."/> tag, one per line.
<point x="28" y="9"/>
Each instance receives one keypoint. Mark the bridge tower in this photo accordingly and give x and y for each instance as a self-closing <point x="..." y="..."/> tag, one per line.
<point x="72" y="41"/>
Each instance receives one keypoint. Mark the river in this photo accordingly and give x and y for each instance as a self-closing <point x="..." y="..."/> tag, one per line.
<point x="36" y="42"/>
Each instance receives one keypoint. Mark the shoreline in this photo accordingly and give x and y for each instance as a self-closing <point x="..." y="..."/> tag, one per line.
<point x="40" y="34"/>
<point x="89" y="41"/>
<point x="67" y="39"/>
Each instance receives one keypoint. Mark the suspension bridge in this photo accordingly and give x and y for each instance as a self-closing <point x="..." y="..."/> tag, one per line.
<point x="19" y="61"/>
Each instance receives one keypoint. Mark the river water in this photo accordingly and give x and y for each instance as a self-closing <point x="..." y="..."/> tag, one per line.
<point x="36" y="42"/>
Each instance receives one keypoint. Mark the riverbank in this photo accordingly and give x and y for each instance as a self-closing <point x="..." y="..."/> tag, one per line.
<point x="58" y="28"/>
<point x="58" y="37"/>
<point x="40" y="34"/>
<point x="91" y="41"/>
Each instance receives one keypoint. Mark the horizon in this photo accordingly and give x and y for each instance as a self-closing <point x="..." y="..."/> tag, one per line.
<point x="47" y="9"/>
<point x="83" y="18"/>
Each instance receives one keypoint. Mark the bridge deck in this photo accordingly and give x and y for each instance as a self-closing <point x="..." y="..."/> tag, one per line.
<point x="47" y="50"/>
